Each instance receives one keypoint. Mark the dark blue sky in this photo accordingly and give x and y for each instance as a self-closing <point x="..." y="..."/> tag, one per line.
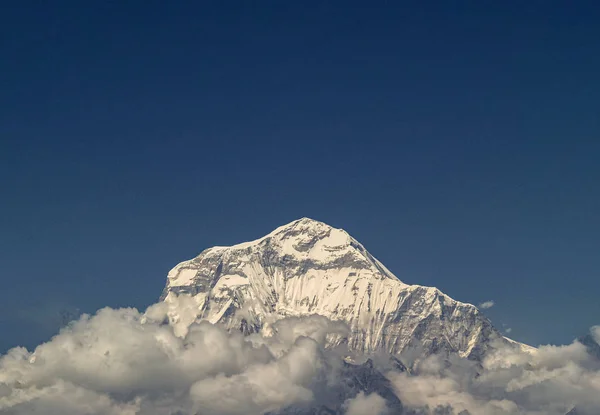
<point x="459" y="143"/>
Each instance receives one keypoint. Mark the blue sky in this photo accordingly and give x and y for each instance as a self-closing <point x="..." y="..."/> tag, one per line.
<point x="458" y="143"/>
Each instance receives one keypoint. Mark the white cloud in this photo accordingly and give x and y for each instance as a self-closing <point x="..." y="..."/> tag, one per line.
<point x="123" y="362"/>
<point x="487" y="304"/>
<point x="550" y="381"/>
<point x="508" y="330"/>
<point x="366" y="404"/>
<point x="261" y="388"/>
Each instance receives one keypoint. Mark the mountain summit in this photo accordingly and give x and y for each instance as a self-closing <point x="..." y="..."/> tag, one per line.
<point x="308" y="267"/>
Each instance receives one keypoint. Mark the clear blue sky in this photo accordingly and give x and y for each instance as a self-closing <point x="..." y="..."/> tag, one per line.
<point x="460" y="143"/>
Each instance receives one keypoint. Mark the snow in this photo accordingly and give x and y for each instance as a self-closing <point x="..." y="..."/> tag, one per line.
<point x="337" y="239"/>
<point x="230" y="281"/>
<point x="278" y="230"/>
<point x="324" y="248"/>
<point x="182" y="276"/>
<point x="308" y="267"/>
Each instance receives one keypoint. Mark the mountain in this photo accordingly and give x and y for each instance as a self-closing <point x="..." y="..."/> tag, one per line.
<point x="308" y="267"/>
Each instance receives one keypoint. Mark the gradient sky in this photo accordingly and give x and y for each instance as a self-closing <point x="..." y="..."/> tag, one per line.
<point x="459" y="144"/>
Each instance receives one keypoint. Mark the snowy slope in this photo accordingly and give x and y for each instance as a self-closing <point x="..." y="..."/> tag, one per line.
<point x="307" y="267"/>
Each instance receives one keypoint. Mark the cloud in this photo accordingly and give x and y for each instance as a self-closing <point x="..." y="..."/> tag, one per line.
<point x="366" y="404"/>
<point x="487" y="304"/>
<point x="262" y="388"/>
<point x="126" y="362"/>
<point x="118" y="356"/>
<point x="130" y="363"/>
<point x="549" y="380"/>
<point x="508" y="330"/>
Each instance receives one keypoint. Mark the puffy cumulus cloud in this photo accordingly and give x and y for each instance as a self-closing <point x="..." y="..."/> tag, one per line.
<point x="549" y="380"/>
<point x="362" y="404"/>
<point x="487" y="304"/>
<point x="445" y="395"/>
<point x="125" y="362"/>
<point x="262" y="388"/>
<point x="63" y="398"/>
<point x="122" y="353"/>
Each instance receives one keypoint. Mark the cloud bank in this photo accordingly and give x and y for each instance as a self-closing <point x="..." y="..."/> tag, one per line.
<point x="125" y="362"/>
<point x="130" y="363"/>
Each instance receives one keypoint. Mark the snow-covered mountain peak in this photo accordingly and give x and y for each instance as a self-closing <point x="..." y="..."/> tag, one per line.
<point x="302" y="245"/>
<point x="308" y="267"/>
<point x="303" y="238"/>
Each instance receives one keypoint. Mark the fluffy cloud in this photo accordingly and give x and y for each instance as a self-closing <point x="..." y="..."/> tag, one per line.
<point x="550" y="380"/>
<point x="123" y="362"/>
<point x="366" y="404"/>
<point x="263" y="388"/>
<point x="487" y="304"/>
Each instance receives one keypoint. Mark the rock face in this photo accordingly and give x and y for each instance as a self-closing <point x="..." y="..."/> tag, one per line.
<point x="307" y="267"/>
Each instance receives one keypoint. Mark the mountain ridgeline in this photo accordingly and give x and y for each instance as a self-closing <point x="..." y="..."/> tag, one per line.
<point x="308" y="267"/>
